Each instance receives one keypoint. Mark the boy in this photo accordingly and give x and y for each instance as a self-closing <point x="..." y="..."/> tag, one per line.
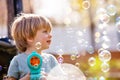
<point x="27" y="30"/>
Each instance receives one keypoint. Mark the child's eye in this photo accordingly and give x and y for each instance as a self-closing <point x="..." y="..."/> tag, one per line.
<point x="45" y="31"/>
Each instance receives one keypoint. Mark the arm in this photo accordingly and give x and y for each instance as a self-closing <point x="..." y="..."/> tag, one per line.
<point x="13" y="69"/>
<point x="27" y="77"/>
<point x="11" y="78"/>
<point x="54" y="61"/>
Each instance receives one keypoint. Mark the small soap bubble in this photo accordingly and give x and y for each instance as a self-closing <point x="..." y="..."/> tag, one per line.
<point x="104" y="18"/>
<point x="86" y="4"/>
<point x="118" y="46"/>
<point x="105" y="67"/>
<point x="102" y="78"/>
<point x="60" y="59"/>
<point x="91" y="61"/>
<point x="104" y="56"/>
<point x="118" y="26"/>
<point x="111" y="10"/>
<point x="77" y="64"/>
<point x="38" y="45"/>
<point x="73" y="57"/>
<point x="100" y="50"/>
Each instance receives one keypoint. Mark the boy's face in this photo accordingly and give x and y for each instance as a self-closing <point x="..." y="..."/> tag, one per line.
<point x="44" y="37"/>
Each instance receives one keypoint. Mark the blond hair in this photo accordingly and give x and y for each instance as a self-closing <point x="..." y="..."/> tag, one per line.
<point x="26" y="26"/>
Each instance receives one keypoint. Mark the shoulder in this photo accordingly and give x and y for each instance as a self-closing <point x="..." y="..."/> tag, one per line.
<point x="18" y="57"/>
<point x="47" y="55"/>
<point x="50" y="57"/>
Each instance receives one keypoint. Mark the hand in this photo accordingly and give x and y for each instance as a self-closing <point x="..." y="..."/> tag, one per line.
<point x="26" y="77"/>
<point x="44" y="75"/>
<point x="10" y="78"/>
<point x="43" y="78"/>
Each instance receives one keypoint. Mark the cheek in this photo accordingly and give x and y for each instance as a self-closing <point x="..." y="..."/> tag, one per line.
<point x="42" y="39"/>
<point x="38" y="38"/>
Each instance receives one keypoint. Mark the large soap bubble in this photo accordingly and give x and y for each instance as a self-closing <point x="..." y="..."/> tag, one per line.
<point x="66" y="71"/>
<point x="105" y="56"/>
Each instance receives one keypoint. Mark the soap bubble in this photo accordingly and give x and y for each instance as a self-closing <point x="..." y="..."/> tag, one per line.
<point x="86" y="4"/>
<point x="111" y="10"/>
<point x="38" y="45"/>
<point x="105" y="67"/>
<point x="73" y="57"/>
<point x="66" y="71"/>
<point x="60" y="51"/>
<point x="91" y="61"/>
<point x="105" y="18"/>
<point x="77" y="64"/>
<point x="90" y="49"/>
<point x="102" y="78"/>
<point x="100" y="50"/>
<point x="60" y="59"/>
<point x="118" y="26"/>
<point x="118" y="19"/>
<point x="118" y="46"/>
<point x="104" y="55"/>
<point x="101" y="11"/>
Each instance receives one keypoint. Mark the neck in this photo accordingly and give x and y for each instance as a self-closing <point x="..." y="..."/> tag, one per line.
<point x="30" y="50"/>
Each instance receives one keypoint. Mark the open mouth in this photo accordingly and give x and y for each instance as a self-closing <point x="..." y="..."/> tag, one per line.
<point x="49" y="41"/>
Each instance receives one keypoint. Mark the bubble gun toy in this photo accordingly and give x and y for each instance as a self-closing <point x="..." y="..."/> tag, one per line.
<point x="34" y="61"/>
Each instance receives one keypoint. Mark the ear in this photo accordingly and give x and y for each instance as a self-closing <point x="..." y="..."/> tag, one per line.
<point x="30" y="40"/>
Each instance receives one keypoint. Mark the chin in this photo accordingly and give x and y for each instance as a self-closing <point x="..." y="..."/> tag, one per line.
<point x="46" y="47"/>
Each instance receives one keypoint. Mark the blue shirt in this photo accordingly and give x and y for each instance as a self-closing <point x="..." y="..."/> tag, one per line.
<point x="18" y="66"/>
